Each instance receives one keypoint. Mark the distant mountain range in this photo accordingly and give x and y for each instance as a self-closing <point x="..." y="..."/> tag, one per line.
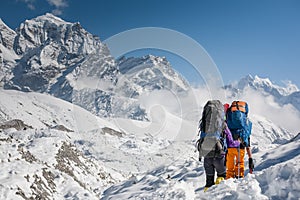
<point x="49" y="55"/>
<point x="289" y="94"/>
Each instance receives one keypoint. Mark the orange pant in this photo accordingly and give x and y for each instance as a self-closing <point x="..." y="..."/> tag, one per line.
<point x="235" y="163"/>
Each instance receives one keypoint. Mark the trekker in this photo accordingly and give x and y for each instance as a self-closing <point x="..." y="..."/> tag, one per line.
<point x="240" y="127"/>
<point x="214" y="135"/>
<point x="235" y="163"/>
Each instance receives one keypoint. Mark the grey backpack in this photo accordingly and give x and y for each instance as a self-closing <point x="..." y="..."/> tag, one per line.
<point x="212" y="141"/>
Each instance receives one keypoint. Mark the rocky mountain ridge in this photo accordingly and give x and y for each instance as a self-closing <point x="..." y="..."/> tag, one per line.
<point x="49" y="55"/>
<point x="288" y="94"/>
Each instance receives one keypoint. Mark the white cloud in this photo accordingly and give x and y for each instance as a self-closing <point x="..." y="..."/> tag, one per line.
<point x="57" y="12"/>
<point x="286" y="116"/>
<point x="29" y="3"/>
<point x="58" y="3"/>
<point x="31" y="6"/>
<point x="189" y="107"/>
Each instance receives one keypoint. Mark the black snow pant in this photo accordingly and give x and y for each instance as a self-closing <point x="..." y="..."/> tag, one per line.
<point x="211" y="165"/>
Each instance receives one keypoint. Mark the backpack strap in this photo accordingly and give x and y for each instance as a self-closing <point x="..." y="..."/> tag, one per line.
<point x="237" y="105"/>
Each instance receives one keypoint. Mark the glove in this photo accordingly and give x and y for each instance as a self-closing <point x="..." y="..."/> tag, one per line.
<point x="251" y="165"/>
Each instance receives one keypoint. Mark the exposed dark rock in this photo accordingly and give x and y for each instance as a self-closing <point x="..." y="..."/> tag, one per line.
<point x="112" y="132"/>
<point x="61" y="128"/>
<point x="15" y="123"/>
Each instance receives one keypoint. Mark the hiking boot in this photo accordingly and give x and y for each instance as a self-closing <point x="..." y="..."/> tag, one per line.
<point x="219" y="180"/>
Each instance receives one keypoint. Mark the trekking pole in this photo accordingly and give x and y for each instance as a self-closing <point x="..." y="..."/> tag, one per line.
<point x="239" y="161"/>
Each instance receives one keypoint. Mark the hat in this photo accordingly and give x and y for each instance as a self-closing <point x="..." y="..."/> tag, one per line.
<point x="226" y="106"/>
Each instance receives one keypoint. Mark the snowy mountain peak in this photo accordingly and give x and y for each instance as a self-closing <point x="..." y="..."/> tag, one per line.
<point x="45" y="29"/>
<point x="266" y="85"/>
<point x="48" y="54"/>
<point x="50" y="17"/>
<point x="262" y="81"/>
<point x="7" y="35"/>
<point x="253" y="81"/>
<point x="3" y="25"/>
<point x="290" y="87"/>
<point x="156" y="59"/>
<point x="283" y="95"/>
<point x="130" y="63"/>
<point x="152" y="72"/>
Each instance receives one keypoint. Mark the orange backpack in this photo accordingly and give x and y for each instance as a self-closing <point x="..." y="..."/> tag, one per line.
<point x="239" y="105"/>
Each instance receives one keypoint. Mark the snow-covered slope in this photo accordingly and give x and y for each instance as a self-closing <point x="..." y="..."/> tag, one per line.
<point x="66" y="152"/>
<point x="276" y="176"/>
<point x="42" y="161"/>
<point x="61" y="151"/>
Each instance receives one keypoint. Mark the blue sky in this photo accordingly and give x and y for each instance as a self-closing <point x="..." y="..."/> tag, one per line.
<point x="258" y="37"/>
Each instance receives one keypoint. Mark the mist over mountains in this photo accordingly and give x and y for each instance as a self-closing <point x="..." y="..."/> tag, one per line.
<point x="49" y="55"/>
<point x="283" y="95"/>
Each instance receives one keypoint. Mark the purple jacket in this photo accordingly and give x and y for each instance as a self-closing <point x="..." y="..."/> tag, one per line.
<point x="229" y="140"/>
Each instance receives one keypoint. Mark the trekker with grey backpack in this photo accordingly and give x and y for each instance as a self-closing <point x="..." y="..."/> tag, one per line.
<point x="212" y="144"/>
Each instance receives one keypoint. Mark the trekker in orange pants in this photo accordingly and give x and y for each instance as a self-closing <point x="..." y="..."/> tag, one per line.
<point x="235" y="153"/>
<point x="235" y="161"/>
